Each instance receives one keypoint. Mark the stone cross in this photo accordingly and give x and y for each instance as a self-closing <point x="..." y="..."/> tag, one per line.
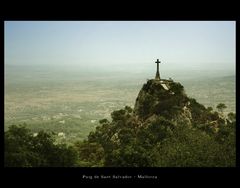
<point x="157" y="77"/>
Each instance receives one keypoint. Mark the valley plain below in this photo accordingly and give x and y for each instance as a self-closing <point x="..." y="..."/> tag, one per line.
<point x="71" y="103"/>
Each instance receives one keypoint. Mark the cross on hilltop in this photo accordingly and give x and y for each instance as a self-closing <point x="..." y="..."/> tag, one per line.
<point x="157" y="77"/>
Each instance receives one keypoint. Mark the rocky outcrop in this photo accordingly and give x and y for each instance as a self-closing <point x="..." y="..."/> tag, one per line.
<point x="163" y="98"/>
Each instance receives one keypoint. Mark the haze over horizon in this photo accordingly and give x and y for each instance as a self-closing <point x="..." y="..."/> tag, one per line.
<point x="121" y="45"/>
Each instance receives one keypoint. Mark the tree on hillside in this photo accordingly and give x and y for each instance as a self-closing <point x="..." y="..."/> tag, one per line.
<point x="221" y="107"/>
<point x="209" y="109"/>
<point x="22" y="149"/>
<point x="232" y="117"/>
<point x="90" y="154"/>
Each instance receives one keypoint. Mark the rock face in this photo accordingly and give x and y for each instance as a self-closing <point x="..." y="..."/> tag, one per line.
<point x="162" y="98"/>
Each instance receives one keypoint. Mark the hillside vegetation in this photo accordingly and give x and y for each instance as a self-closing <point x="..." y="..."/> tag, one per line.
<point x="165" y="128"/>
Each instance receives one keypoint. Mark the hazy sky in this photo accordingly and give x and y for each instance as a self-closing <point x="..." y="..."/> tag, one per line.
<point x="121" y="44"/>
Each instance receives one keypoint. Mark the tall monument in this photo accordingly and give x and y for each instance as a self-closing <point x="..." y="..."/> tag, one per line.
<point x="157" y="77"/>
